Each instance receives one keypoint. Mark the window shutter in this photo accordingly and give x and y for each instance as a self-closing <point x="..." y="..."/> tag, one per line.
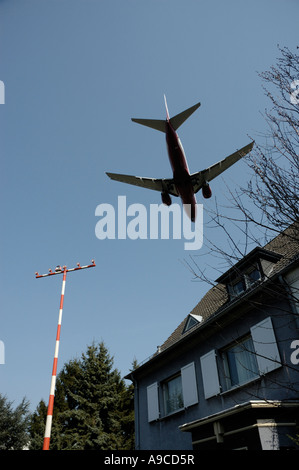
<point x="210" y="374"/>
<point x="189" y="385"/>
<point x="152" y="402"/>
<point x="267" y="354"/>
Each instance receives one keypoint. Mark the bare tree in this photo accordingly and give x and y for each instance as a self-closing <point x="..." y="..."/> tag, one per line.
<point x="274" y="186"/>
<point x="268" y="204"/>
<point x="266" y="207"/>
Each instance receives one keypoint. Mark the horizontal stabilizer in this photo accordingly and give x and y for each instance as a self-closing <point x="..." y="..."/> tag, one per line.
<point x="158" y="124"/>
<point x="178" y="120"/>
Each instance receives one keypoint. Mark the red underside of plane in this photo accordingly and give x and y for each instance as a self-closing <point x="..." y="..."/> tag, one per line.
<point x="181" y="175"/>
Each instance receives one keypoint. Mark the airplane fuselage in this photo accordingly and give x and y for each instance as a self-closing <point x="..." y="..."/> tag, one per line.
<point x="181" y="174"/>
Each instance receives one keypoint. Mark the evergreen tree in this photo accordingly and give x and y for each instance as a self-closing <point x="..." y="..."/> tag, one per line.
<point x="91" y="405"/>
<point x="13" y="425"/>
<point x="128" y="415"/>
<point x="37" y="426"/>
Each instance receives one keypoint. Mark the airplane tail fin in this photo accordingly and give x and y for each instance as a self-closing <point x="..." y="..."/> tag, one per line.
<point x="167" y="113"/>
<point x="176" y="121"/>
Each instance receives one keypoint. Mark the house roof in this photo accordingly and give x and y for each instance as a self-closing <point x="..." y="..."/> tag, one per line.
<point x="285" y="245"/>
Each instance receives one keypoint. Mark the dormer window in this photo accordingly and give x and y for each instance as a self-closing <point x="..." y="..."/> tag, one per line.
<point x="192" y="320"/>
<point x="236" y="289"/>
<point x="244" y="282"/>
<point x="253" y="268"/>
<point x="253" y="276"/>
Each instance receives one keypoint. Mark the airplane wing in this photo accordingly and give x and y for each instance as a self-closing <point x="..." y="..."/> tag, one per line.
<point x="199" y="178"/>
<point x="148" y="183"/>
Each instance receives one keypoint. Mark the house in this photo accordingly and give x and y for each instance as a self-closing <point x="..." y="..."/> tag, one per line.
<point x="228" y="376"/>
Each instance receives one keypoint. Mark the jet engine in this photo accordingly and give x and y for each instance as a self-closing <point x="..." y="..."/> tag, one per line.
<point x="206" y="191"/>
<point x="166" y="199"/>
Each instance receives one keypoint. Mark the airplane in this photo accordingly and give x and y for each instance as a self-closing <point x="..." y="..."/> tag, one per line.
<point x="182" y="184"/>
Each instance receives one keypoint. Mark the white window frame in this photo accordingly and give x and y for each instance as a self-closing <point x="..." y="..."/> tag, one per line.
<point x="189" y="392"/>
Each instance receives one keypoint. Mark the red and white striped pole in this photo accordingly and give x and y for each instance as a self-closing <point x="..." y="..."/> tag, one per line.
<point x="58" y="270"/>
<point x="47" y="435"/>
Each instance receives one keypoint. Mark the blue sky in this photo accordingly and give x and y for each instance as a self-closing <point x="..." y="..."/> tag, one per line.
<point x="75" y="72"/>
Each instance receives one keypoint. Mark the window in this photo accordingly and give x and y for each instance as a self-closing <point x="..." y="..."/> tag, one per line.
<point x="246" y="281"/>
<point x="252" y="356"/>
<point x="176" y="393"/>
<point x="236" y="288"/>
<point x="252" y="277"/>
<point x="173" y="395"/>
<point x="192" y="320"/>
<point x="240" y="364"/>
<point x="253" y="268"/>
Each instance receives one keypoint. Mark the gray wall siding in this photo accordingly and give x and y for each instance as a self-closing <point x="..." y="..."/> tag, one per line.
<point x="164" y="433"/>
